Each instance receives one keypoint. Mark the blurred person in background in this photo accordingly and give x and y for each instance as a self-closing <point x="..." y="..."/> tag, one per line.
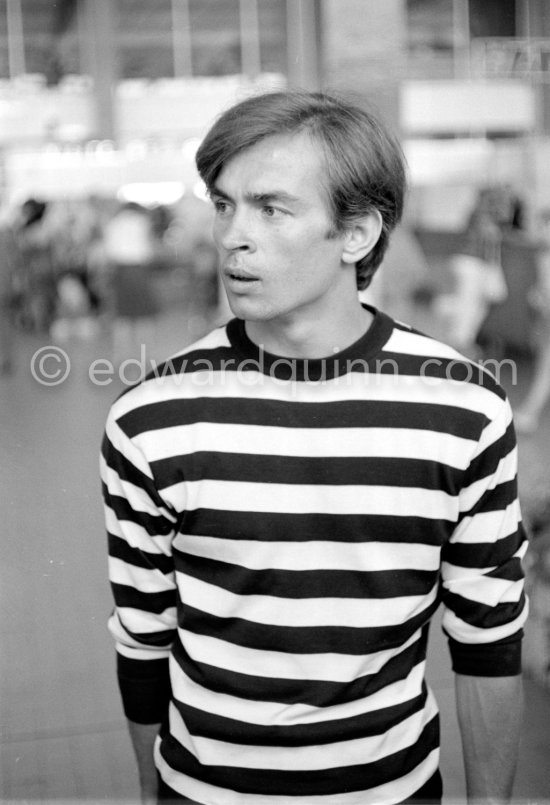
<point x="294" y="497"/>
<point x="194" y="261"/>
<point x="476" y="271"/>
<point x="10" y="271"/>
<point x="510" y="210"/>
<point x="78" y="297"/>
<point x="37" y="279"/>
<point x="130" y="250"/>
<point x="405" y="275"/>
<point x="161" y="220"/>
<point x="529" y="412"/>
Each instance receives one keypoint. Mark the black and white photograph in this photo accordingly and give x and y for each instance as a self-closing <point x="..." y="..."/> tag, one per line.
<point x="275" y="402"/>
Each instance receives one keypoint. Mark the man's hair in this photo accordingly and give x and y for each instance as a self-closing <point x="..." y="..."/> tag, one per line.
<point x="365" y="166"/>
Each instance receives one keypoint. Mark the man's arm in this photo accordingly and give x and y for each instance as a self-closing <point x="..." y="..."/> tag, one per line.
<point x="485" y="610"/>
<point x="145" y="689"/>
<point x="489" y="715"/>
<point x="140" y="531"/>
<point x="143" y="740"/>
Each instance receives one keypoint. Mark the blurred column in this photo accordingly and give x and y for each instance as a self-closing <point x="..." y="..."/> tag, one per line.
<point x="250" y="38"/>
<point x="536" y="24"/>
<point x="523" y="18"/>
<point x="97" y="24"/>
<point x="304" y="43"/>
<point x="16" y="44"/>
<point x="181" y="39"/>
<point x="364" y="47"/>
<point x="461" y="39"/>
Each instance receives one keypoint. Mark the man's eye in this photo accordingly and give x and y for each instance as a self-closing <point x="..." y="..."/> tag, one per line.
<point x="271" y="212"/>
<point x="220" y="206"/>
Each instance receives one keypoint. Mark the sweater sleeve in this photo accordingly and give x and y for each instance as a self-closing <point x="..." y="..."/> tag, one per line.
<point x="140" y="530"/>
<point x="484" y="605"/>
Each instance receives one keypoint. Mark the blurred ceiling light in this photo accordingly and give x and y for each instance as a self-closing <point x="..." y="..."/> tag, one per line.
<point x="440" y="162"/>
<point x="135" y="149"/>
<point x="76" y="83"/>
<point x="189" y="147"/>
<point x="200" y="191"/>
<point x="9" y="107"/>
<point x="132" y="87"/>
<point x="105" y="146"/>
<point x="75" y="132"/>
<point x="149" y="194"/>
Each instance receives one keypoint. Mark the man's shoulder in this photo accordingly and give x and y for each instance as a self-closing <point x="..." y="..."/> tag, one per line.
<point x="440" y="365"/>
<point x="168" y="378"/>
<point x="204" y="354"/>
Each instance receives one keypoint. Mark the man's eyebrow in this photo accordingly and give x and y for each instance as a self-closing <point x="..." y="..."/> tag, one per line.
<point x="215" y="191"/>
<point x="269" y="197"/>
<point x="272" y="196"/>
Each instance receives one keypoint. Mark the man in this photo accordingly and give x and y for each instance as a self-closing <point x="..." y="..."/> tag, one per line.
<point x="290" y="499"/>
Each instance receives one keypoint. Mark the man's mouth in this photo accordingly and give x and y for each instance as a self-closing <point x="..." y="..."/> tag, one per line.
<point x="240" y="276"/>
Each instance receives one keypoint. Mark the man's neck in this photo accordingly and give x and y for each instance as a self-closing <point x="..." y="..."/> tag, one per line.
<point x="310" y="340"/>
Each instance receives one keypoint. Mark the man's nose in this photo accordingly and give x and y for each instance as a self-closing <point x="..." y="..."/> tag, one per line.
<point x="235" y="232"/>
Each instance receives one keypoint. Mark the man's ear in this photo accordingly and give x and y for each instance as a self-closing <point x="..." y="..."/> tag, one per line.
<point x="361" y="237"/>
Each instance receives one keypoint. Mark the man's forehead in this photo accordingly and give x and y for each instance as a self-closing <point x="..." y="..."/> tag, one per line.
<point x="274" y="165"/>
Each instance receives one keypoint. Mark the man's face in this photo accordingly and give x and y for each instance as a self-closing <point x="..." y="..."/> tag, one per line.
<point x="271" y="227"/>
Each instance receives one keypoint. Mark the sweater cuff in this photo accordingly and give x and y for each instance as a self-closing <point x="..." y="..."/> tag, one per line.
<point x="144" y="688"/>
<point x="502" y="658"/>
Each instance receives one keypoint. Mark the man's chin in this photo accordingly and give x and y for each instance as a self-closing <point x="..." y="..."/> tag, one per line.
<point x="246" y="309"/>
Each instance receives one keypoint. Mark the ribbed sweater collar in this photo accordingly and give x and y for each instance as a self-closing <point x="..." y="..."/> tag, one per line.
<point x="312" y="369"/>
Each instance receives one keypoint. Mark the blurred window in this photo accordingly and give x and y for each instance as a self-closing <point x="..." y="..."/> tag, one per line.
<point x="430" y="39"/>
<point x="441" y="31"/>
<point x="272" y="24"/>
<point x="430" y="24"/>
<point x="492" y="18"/>
<point x="144" y="38"/>
<point x="4" y="55"/>
<point x="50" y="38"/>
<point x="215" y="37"/>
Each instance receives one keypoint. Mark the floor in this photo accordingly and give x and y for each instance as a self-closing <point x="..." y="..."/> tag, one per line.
<point x="63" y="734"/>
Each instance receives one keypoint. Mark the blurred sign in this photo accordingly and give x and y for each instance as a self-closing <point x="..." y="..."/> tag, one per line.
<point x="35" y="114"/>
<point x="32" y="113"/>
<point x="449" y="162"/>
<point x="511" y="57"/>
<point x="48" y="135"/>
<point x="98" y="168"/>
<point x="466" y="107"/>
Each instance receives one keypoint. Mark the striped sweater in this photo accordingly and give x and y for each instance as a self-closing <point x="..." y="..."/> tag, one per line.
<point x="280" y="535"/>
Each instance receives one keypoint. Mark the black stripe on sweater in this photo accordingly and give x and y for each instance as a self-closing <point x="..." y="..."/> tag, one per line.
<point x="336" y="471"/>
<point x="316" y="693"/>
<point x="303" y="639"/>
<point x="282" y="527"/>
<point x="220" y="728"/>
<point x="274" y="413"/>
<point x="300" y="584"/>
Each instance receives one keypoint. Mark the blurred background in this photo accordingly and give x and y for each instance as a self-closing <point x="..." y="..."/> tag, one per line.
<point x="107" y="265"/>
